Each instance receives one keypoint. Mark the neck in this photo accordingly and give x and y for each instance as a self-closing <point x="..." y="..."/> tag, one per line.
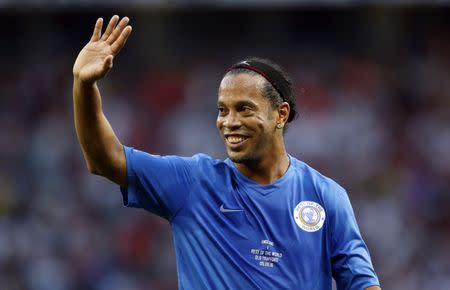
<point x="269" y="169"/>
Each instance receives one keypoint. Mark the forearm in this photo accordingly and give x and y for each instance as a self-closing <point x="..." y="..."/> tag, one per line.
<point x="373" y="288"/>
<point x="101" y="148"/>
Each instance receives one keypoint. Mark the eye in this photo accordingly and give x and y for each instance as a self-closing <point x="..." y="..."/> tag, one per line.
<point x="246" y="110"/>
<point x="221" y="110"/>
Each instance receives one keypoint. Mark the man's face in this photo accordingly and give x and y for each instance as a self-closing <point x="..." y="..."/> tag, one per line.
<point x="246" y="119"/>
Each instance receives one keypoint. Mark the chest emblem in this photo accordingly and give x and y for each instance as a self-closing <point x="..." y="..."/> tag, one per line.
<point x="309" y="216"/>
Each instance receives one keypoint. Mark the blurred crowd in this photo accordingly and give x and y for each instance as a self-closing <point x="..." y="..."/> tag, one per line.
<point x="374" y="99"/>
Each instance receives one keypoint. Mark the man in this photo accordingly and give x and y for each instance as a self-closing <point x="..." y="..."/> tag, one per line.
<point x="258" y="220"/>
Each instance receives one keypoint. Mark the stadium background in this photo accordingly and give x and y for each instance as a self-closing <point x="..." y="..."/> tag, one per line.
<point x="373" y="85"/>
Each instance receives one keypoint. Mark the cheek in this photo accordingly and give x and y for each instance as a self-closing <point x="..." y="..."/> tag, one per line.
<point x="219" y="123"/>
<point x="265" y="130"/>
<point x="262" y="123"/>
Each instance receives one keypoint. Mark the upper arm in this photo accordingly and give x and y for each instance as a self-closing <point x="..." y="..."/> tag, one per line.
<point x="350" y="260"/>
<point x="116" y="169"/>
<point x="159" y="184"/>
<point x="102" y="150"/>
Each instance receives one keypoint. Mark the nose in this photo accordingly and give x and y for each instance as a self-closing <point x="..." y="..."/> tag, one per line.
<point x="231" y="120"/>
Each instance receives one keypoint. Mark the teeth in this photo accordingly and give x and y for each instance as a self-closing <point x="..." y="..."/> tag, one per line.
<point x="235" y="140"/>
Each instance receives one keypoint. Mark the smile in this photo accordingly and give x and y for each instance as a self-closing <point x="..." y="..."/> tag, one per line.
<point x="235" y="141"/>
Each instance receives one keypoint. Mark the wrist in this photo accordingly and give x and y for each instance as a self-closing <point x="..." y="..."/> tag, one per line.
<point x="83" y="83"/>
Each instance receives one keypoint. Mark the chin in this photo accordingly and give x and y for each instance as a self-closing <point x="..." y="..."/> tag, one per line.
<point x="236" y="159"/>
<point x="241" y="158"/>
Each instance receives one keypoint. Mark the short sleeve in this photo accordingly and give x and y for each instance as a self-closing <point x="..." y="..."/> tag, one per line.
<point x="350" y="259"/>
<point x="159" y="184"/>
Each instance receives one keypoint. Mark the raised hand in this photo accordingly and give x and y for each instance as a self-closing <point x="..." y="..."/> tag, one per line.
<point x="96" y="57"/>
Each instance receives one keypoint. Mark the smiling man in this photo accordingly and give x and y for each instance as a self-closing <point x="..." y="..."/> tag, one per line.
<point x="260" y="219"/>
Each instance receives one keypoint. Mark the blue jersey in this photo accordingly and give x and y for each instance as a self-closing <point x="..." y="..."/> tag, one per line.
<point x="232" y="233"/>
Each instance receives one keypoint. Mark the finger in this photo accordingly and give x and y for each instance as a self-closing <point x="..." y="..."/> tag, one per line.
<point x="112" y="23"/>
<point x="118" y="30"/>
<point x="97" y="30"/>
<point x="120" y="42"/>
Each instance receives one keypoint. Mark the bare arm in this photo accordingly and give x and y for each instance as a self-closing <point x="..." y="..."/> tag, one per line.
<point x="101" y="148"/>
<point x="373" y="288"/>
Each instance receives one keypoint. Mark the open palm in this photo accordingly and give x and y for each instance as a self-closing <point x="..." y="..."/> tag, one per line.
<point x="96" y="57"/>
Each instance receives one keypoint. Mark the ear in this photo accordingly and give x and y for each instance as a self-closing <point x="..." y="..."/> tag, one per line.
<point x="283" y="113"/>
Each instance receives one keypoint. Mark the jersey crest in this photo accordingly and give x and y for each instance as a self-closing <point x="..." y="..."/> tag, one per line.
<point x="309" y="216"/>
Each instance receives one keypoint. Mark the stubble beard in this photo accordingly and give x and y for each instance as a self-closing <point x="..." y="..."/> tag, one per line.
<point x="247" y="158"/>
<point x="253" y="155"/>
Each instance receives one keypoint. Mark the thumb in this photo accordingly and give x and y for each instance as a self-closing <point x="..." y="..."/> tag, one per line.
<point x="108" y="63"/>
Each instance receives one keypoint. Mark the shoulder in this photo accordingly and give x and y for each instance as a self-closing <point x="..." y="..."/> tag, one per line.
<point x="202" y="159"/>
<point x="327" y="190"/>
<point x="210" y="167"/>
<point x="201" y="166"/>
<point x="196" y="163"/>
<point x="320" y="181"/>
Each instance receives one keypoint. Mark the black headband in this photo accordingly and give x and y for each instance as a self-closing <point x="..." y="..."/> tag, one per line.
<point x="270" y="74"/>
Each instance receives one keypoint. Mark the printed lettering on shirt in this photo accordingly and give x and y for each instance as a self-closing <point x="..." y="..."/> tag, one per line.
<point x="266" y="257"/>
